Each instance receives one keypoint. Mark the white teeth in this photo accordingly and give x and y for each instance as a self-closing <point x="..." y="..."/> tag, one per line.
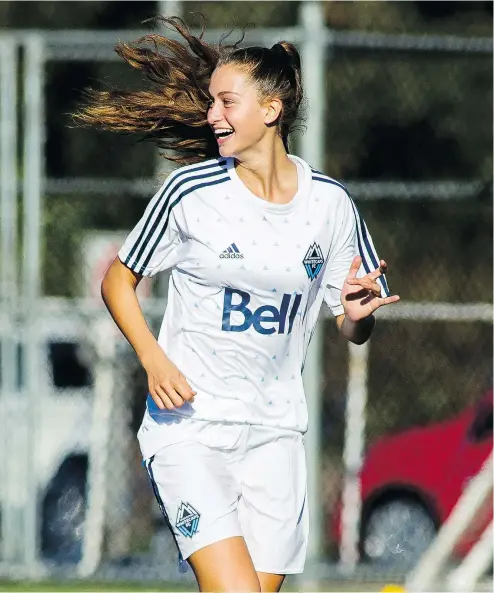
<point x="219" y="131"/>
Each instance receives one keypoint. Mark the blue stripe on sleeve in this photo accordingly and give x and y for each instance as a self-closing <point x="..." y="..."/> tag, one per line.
<point x="170" y="188"/>
<point x="368" y="255"/>
<point x="161" y="233"/>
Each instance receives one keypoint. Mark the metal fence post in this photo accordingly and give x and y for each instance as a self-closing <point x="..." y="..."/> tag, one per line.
<point x="9" y="538"/>
<point x="353" y="454"/>
<point x="104" y="335"/>
<point x="33" y="175"/>
<point x="313" y="52"/>
<point x="170" y="7"/>
<point x="164" y="167"/>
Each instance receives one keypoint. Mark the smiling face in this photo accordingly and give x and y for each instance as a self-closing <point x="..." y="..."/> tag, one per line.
<point x="239" y="120"/>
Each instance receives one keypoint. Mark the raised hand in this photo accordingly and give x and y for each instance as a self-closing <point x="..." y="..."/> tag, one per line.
<point x="360" y="297"/>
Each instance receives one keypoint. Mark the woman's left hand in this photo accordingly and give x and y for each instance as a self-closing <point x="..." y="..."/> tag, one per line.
<point x="360" y="297"/>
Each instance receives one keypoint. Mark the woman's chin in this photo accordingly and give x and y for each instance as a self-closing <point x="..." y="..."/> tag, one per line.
<point x="225" y="151"/>
<point x="227" y="148"/>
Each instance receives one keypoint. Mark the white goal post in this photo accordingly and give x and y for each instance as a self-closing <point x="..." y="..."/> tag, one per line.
<point x="431" y="566"/>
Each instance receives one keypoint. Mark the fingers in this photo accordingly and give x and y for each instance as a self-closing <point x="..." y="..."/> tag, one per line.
<point x="368" y="283"/>
<point x="376" y="303"/>
<point x="355" y="266"/>
<point x="160" y="398"/>
<point x="391" y="299"/>
<point x="184" y="390"/>
<point x="382" y="269"/>
<point x="177" y="401"/>
<point x="169" y="395"/>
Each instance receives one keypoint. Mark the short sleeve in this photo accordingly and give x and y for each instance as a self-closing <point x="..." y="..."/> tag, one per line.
<point x="351" y="237"/>
<point x="154" y="244"/>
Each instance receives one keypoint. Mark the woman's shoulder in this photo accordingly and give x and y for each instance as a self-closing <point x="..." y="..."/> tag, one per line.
<point x="326" y="180"/>
<point x="320" y="180"/>
<point x="195" y="179"/>
<point x="199" y="170"/>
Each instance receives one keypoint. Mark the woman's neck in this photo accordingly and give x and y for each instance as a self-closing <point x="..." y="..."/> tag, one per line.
<point x="270" y="175"/>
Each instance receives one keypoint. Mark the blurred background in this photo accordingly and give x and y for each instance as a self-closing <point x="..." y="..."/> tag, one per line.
<point x="400" y="111"/>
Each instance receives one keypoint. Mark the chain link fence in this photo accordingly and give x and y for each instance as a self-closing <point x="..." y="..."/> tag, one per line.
<point x="408" y="129"/>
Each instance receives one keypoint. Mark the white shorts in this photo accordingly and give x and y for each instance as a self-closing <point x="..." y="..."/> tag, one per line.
<point x="226" y="480"/>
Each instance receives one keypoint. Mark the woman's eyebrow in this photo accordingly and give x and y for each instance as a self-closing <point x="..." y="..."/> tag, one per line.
<point x="221" y="93"/>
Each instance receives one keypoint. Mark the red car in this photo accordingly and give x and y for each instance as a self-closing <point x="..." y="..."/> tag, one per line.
<point x="411" y="481"/>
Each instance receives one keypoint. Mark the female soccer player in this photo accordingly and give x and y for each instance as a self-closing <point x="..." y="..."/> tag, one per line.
<point x="255" y="240"/>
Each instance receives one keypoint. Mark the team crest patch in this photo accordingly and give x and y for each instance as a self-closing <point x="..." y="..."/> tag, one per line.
<point x="313" y="261"/>
<point x="187" y="519"/>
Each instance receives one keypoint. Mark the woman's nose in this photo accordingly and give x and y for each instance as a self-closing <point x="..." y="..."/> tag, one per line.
<point x="213" y="114"/>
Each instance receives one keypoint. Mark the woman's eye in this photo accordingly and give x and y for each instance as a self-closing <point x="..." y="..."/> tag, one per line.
<point x="227" y="102"/>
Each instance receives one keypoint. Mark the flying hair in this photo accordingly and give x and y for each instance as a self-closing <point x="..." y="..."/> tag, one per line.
<point x="172" y="111"/>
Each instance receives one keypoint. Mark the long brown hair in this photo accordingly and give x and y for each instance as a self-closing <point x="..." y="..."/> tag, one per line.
<point x="173" y="111"/>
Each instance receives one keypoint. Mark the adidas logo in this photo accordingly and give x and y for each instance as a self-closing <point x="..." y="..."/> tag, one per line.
<point x="232" y="252"/>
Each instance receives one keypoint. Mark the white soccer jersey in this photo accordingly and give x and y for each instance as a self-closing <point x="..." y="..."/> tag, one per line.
<point x="248" y="278"/>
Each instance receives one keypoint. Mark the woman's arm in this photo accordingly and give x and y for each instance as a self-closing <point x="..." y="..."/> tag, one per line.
<point x="357" y="332"/>
<point x="167" y="386"/>
<point x="118" y="292"/>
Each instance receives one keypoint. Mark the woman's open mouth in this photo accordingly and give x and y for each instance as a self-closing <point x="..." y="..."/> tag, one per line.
<point x="223" y="134"/>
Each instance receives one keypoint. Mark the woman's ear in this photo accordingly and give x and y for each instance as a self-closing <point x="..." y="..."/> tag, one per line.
<point x="273" y="111"/>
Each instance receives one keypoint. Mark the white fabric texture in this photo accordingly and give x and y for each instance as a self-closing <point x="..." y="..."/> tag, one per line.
<point x="226" y="480"/>
<point x="248" y="279"/>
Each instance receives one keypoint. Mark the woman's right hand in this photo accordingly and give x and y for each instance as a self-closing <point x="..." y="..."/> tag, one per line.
<point x="167" y="386"/>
